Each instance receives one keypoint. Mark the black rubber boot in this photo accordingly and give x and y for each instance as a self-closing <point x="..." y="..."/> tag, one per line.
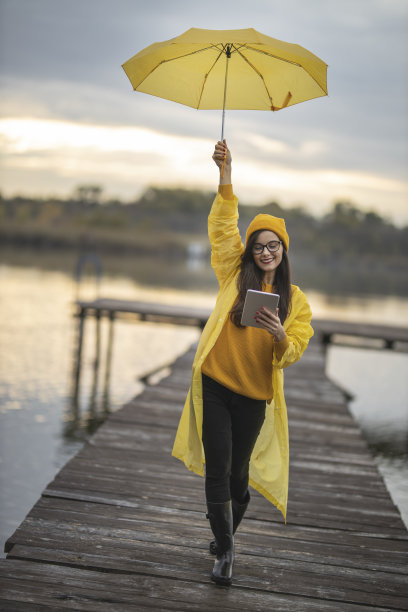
<point x="238" y="511"/>
<point x="220" y="516"/>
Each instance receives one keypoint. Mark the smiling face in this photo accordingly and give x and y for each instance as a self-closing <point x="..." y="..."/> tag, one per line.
<point x="266" y="261"/>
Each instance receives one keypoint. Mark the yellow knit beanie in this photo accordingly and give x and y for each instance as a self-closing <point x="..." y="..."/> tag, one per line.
<point x="269" y="222"/>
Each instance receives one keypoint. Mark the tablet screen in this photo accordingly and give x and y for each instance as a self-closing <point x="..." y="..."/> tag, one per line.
<point x="254" y="301"/>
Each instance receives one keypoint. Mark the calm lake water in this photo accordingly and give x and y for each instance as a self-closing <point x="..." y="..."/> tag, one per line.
<point x="38" y="425"/>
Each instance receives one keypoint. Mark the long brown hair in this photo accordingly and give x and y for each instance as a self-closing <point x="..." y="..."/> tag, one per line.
<point x="250" y="277"/>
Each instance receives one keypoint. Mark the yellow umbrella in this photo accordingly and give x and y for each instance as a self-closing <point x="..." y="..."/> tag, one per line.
<point x="261" y="72"/>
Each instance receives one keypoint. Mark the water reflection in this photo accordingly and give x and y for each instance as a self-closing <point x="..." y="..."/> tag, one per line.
<point x="99" y="404"/>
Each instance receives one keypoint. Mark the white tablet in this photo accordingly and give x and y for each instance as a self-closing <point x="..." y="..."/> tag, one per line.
<point x="254" y="301"/>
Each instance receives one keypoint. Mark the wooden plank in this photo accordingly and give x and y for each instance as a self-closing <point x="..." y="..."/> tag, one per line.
<point x="112" y="546"/>
<point x="135" y="481"/>
<point x="172" y="563"/>
<point x="259" y="516"/>
<point x="255" y="530"/>
<point x="79" y="586"/>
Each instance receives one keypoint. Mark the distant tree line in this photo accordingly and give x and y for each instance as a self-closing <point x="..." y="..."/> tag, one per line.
<point x="360" y="250"/>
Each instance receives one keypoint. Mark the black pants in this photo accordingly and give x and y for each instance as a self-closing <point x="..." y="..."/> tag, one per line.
<point x="231" y="424"/>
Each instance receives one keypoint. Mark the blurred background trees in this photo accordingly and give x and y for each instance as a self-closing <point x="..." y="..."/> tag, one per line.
<point x="347" y="249"/>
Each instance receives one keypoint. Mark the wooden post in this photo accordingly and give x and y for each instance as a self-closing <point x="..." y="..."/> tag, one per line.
<point x="96" y="364"/>
<point x="109" y="352"/>
<point x="78" y="359"/>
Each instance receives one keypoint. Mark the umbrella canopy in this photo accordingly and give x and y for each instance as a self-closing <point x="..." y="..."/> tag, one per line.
<point x="263" y="73"/>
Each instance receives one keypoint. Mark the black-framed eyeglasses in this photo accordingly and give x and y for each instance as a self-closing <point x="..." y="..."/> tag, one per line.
<point x="272" y="247"/>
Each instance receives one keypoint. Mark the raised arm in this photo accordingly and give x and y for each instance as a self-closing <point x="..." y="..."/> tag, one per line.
<point x="226" y="245"/>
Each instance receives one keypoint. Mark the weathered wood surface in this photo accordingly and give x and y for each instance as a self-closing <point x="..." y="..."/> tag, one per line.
<point x="122" y="526"/>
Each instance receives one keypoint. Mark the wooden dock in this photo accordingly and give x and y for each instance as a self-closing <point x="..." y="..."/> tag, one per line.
<point x="122" y="527"/>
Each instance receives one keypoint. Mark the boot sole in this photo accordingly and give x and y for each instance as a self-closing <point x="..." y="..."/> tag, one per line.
<point x="222" y="581"/>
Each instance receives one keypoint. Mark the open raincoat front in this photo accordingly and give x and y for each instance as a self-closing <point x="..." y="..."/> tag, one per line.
<point x="269" y="464"/>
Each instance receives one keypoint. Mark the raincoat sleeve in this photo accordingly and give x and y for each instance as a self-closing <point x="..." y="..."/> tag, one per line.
<point x="298" y="332"/>
<point x="223" y="232"/>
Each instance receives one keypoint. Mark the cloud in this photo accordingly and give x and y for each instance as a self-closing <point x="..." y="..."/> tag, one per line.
<point x="62" y="61"/>
<point x="126" y="159"/>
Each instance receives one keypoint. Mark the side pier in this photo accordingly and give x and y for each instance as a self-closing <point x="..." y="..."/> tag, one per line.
<point x="326" y="331"/>
<point x="122" y="526"/>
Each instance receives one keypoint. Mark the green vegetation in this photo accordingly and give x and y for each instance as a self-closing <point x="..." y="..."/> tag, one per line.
<point x="347" y="250"/>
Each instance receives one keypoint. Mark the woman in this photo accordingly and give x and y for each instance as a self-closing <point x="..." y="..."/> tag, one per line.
<point x="234" y="419"/>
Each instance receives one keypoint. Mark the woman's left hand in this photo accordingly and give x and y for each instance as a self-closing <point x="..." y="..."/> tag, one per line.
<point x="271" y="323"/>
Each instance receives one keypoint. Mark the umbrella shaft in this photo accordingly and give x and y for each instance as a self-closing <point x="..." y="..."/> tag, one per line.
<point x="222" y="126"/>
<point x="228" y="55"/>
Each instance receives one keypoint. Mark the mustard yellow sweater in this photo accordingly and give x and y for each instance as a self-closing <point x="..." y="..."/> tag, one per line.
<point x="241" y="359"/>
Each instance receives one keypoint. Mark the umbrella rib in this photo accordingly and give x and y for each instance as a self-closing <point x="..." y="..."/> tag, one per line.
<point x="206" y="76"/>
<point x="164" y="61"/>
<point x="278" y="57"/>
<point x="282" y="59"/>
<point x="171" y="59"/>
<point x="260" y="76"/>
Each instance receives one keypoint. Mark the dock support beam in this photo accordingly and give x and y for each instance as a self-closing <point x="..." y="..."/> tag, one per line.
<point x="78" y="359"/>
<point x="108" y="365"/>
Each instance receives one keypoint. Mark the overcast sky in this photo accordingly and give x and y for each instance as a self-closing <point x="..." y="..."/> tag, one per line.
<point x="69" y="116"/>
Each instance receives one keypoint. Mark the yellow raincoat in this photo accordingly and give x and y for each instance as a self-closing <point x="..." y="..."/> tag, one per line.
<point x="269" y="464"/>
